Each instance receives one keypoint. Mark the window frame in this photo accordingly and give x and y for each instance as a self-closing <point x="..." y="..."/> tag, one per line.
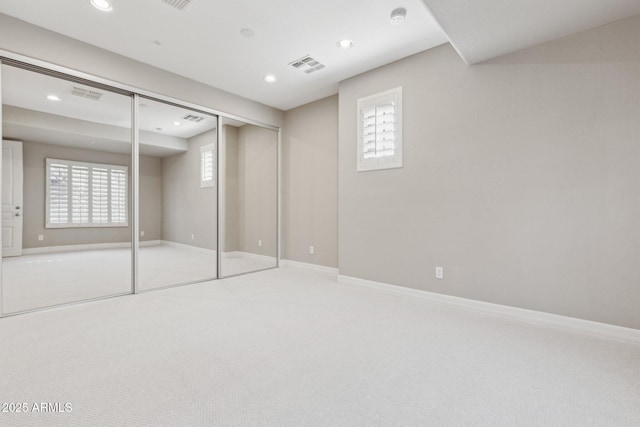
<point x="377" y="100"/>
<point x="90" y="166"/>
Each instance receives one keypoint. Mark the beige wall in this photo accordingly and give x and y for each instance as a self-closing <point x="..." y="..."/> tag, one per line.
<point x="34" y="155"/>
<point x="310" y="183"/>
<point x="231" y="193"/>
<point x="150" y="198"/>
<point x="520" y="178"/>
<point x="26" y="39"/>
<point x="187" y="209"/>
<point x="257" y="189"/>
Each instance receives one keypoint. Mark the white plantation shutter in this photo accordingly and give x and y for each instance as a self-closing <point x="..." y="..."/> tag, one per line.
<point x="100" y="196"/>
<point x="58" y="184"/>
<point x="207" y="169"/>
<point x="207" y="166"/>
<point x="380" y="131"/>
<point x="118" y="196"/>
<point x="81" y="194"/>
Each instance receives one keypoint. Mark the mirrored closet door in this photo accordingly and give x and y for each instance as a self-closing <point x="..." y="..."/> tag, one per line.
<point x="249" y="195"/>
<point x="198" y="192"/>
<point x="178" y="195"/>
<point x="66" y="191"/>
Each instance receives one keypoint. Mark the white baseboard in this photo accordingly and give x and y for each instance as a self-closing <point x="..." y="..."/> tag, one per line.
<point x="257" y="257"/>
<point x="588" y="327"/>
<point x="315" y="267"/>
<point x="184" y="246"/>
<point x="74" y="248"/>
<point x="87" y="247"/>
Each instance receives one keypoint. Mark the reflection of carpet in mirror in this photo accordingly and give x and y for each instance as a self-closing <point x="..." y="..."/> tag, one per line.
<point x="242" y="262"/>
<point x="42" y="280"/>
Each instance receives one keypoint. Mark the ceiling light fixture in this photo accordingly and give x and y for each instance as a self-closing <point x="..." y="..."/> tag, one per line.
<point x="102" y="5"/>
<point x="53" y="98"/>
<point x="345" y="44"/>
<point x="270" y="78"/>
<point x="176" y="123"/>
<point x="398" y="15"/>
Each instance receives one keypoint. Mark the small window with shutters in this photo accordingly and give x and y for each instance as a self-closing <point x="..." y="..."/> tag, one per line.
<point x="81" y="194"/>
<point x="207" y="169"/>
<point x="380" y="131"/>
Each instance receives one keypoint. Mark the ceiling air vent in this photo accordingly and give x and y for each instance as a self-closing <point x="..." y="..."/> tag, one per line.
<point x="85" y="93"/>
<point x="193" y="118"/>
<point x="307" y="64"/>
<point x="179" y="4"/>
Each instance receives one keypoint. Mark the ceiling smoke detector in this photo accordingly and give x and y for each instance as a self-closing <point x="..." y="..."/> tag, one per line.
<point x="85" y="93"/>
<point x="307" y="64"/>
<point x="247" y="32"/>
<point x="398" y="15"/>
<point x="181" y="5"/>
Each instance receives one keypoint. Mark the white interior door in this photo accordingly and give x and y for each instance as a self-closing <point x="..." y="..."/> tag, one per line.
<point x="12" y="209"/>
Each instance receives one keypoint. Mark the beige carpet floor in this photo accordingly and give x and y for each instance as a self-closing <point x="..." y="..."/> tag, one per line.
<point x="290" y="347"/>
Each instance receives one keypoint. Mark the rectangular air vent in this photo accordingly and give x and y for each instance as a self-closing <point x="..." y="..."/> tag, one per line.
<point x="193" y="118"/>
<point x="85" y="93"/>
<point x="307" y="64"/>
<point x="179" y="4"/>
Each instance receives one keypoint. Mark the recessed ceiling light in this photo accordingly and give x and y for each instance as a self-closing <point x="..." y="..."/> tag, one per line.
<point x="53" y="98"/>
<point x="270" y="78"/>
<point x="398" y="15"/>
<point x="345" y="44"/>
<point x="102" y="5"/>
<point x="247" y="32"/>
<point x="176" y="123"/>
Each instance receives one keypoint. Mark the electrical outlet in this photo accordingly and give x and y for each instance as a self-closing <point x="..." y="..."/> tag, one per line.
<point x="312" y="250"/>
<point x="440" y="273"/>
<point x="259" y="243"/>
<point x="40" y="237"/>
<point x="142" y="233"/>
